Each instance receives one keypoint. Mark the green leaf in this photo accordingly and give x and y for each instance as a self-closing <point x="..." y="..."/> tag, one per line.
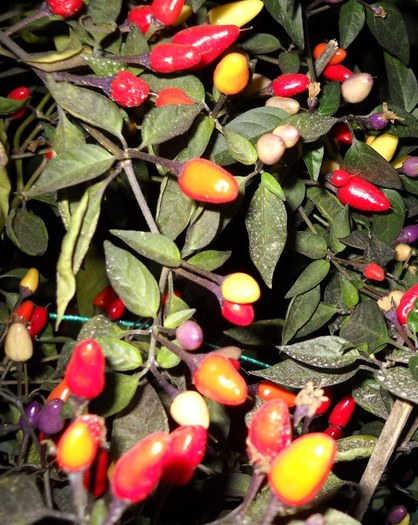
<point x="295" y="191"/>
<point x="210" y="259"/>
<point x="240" y="148"/>
<point x="104" y="67"/>
<point x="400" y="382"/>
<point x="403" y="86"/>
<point x="390" y="31"/>
<point x="413" y="365"/>
<point x="144" y="415"/>
<point x="66" y="135"/>
<point x="166" y="358"/>
<point x="364" y="161"/>
<point x="266" y="223"/>
<point x="309" y="244"/>
<point x="311" y="126"/>
<point x="132" y="281"/>
<point x="27" y="231"/>
<point x="271" y="183"/>
<point x="173" y="203"/>
<point x="289" y="15"/>
<point x="154" y="246"/>
<point x="322" y="314"/>
<point x="119" y="391"/>
<point x="198" y="138"/>
<point x="389" y="226"/>
<point x="349" y="293"/>
<point x="135" y="43"/>
<point x="80" y="101"/>
<point x="261" y="43"/>
<point x="299" y="312"/>
<point x="291" y="374"/>
<point x="355" y="447"/>
<point x="251" y="125"/>
<point x="366" y="325"/>
<point x="10" y="105"/>
<point x="202" y="230"/>
<point x="72" y="166"/>
<point x="188" y="83"/>
<point x="312" y="158"/>
<point x="120" y="355"/>
<point x="329" y="101"/>
<point x="311" y="276"/>
<point x="407" y="127"/>
<point x="177" y="318"/>
<point x="289" y="62"/>
<point x="340" y="228"/>
<point x="351" y="21"/>
<point x="99" y="326"/>
<point x="323" y="352"/>
<point x="372" y="397"/>
<point x="162" y="124"/>
<point x="326" y="202"/>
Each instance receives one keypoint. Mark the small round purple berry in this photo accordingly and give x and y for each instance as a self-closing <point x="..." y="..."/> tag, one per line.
<point x="189" y="335"/>
<point x="378" y="121"/>
<point x="32" y="411"/>
<point x="410" y="167"/>
<point x="50" y="421"/>
<point x="397" y="514"/>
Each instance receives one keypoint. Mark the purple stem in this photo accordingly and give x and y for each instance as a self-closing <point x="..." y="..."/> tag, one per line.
<point x="171" y="165"/>
<point x="42" y="12"/>
<point x="205" y="283"/>
<point x="169" y="389"/>
<point x="117" y="508"/>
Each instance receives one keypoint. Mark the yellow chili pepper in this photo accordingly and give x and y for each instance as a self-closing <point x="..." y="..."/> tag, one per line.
<point x="186" y="13"/>
<point x="232" y="73"/>
<point x="385" y="145"/>
<point x="237" y="13"/>
<point x="240" y="288"/>
<point x="397" y="163"/>
<point x="370" y="139"/>
<point x="29" y="284"/>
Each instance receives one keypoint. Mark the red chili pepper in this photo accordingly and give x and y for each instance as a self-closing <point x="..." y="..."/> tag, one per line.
<point x="38" y="321"/>
<point x="61" y="391"/>
<point x="188" y="446"/>
<point x="337" y="73"/>
<point x="24" y="311"/>
<point x="341" y="414"/>
<point x="95" y="479"/>
<point x="363" y="195"/>
<point x="290" y="84"/>
<point x="65" y="8"/>
<point x="127" y="90"/>
<point x="209" y="40"/>
<point x="141" y="15"/>
<point x="269" y="432"/>
<point x="167" y="11"/>
<point x="85" y="370"/>
<point x="239" y="314"/>
<point x="336" y="59"/>
<point x="342" y="133"/>
<point x="407" y="303"/>
<point x="19" y="93"/>
<point x="334" y="431"/>
<point x="173" y="95"/>
<point x="104" y="298"/>
<point x="116" y="309"/>
<point x="374" y="272"/>
<point x="172" y="57"/>
<point x="268" y="390"/>
<point x="340" y="178"/>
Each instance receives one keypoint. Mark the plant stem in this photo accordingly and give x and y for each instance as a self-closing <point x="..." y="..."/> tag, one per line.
<point x="205" y="283"/>
<point x="79" y="494"/>
<point x="380" y="457"/>
<point x="171" y="165"/>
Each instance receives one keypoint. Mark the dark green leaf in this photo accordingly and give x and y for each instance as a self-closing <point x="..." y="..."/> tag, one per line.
<point x="364" y="161"/>
<point x="372" y="397"/>
<point x="403" y="87"/>
<point x="291" y="374"/>
<point x="132" y="281"/>
<point x="258" y="334"/>
<point x="289" y="62"/>
<point x="164" y="123"/>
<point x="312" y="158"/>
<point x="119" y="391"/>
<point x="266" y="223"/>
<point x="16" y="488"/>
<point x="329" y="100"/>
<point x="323" y="352"/>
<point x="144" y="415"/>
<point x="400" y="382"/>
<point x="251" y="125"/>
<point x="294" y="190"/>
<point x="390" y="31"/>
<point x="261" y="43"/>
<point x="289" y="15"/>
<point x="199" y="137"/>
<point x="202" y="230"/>
<point x="351" y="21"/>
<point x="27" y="231"/>
<point x="388" y="226"/>
<point x="299" y="312"/>
<point x="320" y="317"/>
<point x="326" y="202"/>
<point x="366" y="325"/>
<point x="210" y="259"/>
<point x="407" y="127"/>
<point x="188" y="83"/>
<point x="311" y="126"/>
<point x="103" y="11"/>
<point x="99" y="326"/>
<point x="80" y="101"/>
<point x="173" y="203"/>
<point x="309" y="244"/>
<point x="136" y="43"/>
<point x="355" y="447"/>
<point x="72" y="166"/>
<point x="311" y="276"/>
<point x="349" y="293"/>
<point x="340" y="228"/>
<point x="66" y="135"/>
<point x="104" y="67"/>
<point x="413" y="364"/>
<point x="240" y="148"/>
<point x="154" y="246"/>
<point x="120" y="355"/>
<point x="10" y="105"/>
<point x="271" y="183"/>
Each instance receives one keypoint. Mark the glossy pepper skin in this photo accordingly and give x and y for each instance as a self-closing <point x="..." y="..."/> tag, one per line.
<point x="38" y="321"/>
<point x="268" y="390"/>
<point x="65" y="8"/>
<point x="340" y="178"/>
<point x="299" y="471"/>
<point x="173" y="95"/>
<point x="172" y="57"/>
<point x="167" y="11"/>
<point x="29" y="283"/>
<point x="374" y="272"/>
<point x="342" y="412"/>
<point x="407" y="303"/>
<point x="141" y="16"/>
<point x="209" y="40"/>
<point x="363" y="195"/>
<point x="19" y="93"/>
<point x="238" y="13"/>
<point x="128" y="90"/>
<point x="238" y="314"/>
<point x="337" y="73"/>
<point x="336" y="59"/>
<point x="290" y="84"/>
<point x="85" y="372"/>
<point x="232" y="74"/>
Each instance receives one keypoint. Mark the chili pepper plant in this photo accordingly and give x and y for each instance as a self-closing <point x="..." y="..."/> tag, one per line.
<point x="208" y="262"/>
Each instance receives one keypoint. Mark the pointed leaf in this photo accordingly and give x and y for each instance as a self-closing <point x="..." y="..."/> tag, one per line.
<point x="299" y="312"/>
<point x="311" y="276"/>
<point x="103" y="11"/>
<point x="351" y="21"/>
<point x="173" y="203"/>
<point x="289" y="15"/>
<point x="66" y="135"/>
<point x="400" y="382"/>
<point x="177" y="318"/>
<point x="366" y="325"/>
<point x="403" y="85"/>
<point x="313" y="159"/>
<point x="240" y="148"/>
<point x="323" y="313"/>
<point x="154" y="246"/>
<point x="132" y="281"/>
<point x="329" y="100"/>
<point x="202" y="230"/>
<point x="266" y="223"/>
<point x="120" y="355"/>
<point x="210" y="259"/>
<point x="388" y="228"/>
